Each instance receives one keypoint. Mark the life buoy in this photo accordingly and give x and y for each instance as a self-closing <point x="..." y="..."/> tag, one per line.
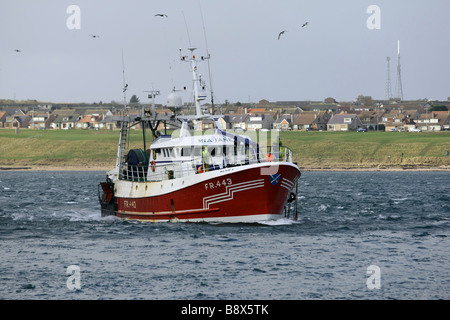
<point x="200" y="169"/>
<point x="153" y="165"/>
<point x="269" y="157"/>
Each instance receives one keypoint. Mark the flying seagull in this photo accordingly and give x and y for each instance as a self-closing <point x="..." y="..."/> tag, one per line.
<point x="305" y="24"/>
<point x="94" y="36"/>
<point x="282" y="32"/>
<point x="161" y="15"/>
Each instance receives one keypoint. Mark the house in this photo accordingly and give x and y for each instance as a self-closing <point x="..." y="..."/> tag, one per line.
<point x="315" y="120"/>
<point x="389" y="116"/>
<point x="110" y="121"/>
<point x="41" y="120"/>
<point x="208" y="124"/>
<point x="344" y="122"/>
<point x="264" y="104"/>
<point x="446" y="125"/>
<point x="2" y="118"/>
<point x="283" y="123"/>
<point x="371" y="119"/>
<point x="15" y="118"/>
<point x="237" y="121"/>
<point x="433" y="121"/>
<point x="65" y="119"/>
<point x="17" y="121"/>
<point x="256" y="110"/>
<point x="89" y="121"/>
<point x="413" y="114"/>
<point x="331" y="107"/>
<point x="259" y="122"/>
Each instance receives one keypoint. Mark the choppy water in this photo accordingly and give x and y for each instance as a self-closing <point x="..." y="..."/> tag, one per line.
<point x="396" y="221"/>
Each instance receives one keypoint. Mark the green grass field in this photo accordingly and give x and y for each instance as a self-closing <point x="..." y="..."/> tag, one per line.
<point x="368" y="149"/>
<point x="312" y="150"/>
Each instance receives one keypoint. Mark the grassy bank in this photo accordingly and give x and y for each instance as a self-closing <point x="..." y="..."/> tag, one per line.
<point x="58" y="148"/>
<point x="357" y="150"/>
<point x="313" y="150"/>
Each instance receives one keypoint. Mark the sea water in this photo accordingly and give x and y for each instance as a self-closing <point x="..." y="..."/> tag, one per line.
<point x="360" y="235"/>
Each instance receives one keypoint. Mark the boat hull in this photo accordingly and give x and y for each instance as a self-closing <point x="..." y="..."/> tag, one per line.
<point x="239" y="194"/>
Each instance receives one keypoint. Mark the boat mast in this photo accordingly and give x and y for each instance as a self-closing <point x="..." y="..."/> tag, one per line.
<point x="125" y="85"/>
<point x="208" y="56"/>
<point x="196" y="79"/>
<point x="152" y="95"/>
<point x="124" y="123"/>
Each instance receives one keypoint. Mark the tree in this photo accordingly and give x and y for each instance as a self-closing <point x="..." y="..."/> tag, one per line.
<point x="134" y="99"/>
<point x="438" y="108"/>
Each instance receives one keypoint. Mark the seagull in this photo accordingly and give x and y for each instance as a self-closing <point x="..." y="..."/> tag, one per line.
<point x="17" y="50"/>
<point x="282" y="32"/>
<point x="94" y="36"/>
<point x="161" y="15"/>
<point x="305" y="24"/>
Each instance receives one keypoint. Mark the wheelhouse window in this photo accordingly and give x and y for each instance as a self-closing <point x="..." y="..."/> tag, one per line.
<point x="186" y="152"/>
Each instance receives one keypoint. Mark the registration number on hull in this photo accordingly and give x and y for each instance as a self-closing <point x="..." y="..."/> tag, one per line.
<point x="218" y="184"/>
<point x="129" y="204"/>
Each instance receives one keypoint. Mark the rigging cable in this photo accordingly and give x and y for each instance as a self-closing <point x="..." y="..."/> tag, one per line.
<point x="208" y="56"/>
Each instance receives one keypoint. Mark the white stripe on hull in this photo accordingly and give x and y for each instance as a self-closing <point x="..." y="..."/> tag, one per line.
<point x="230" y="190"/>
<point x="231" y="219"/>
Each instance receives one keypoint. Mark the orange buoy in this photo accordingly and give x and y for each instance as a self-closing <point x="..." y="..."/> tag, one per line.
<point x="269" y="157"/>
<point x="153" y="165"/>
<point x="200" y="169"/>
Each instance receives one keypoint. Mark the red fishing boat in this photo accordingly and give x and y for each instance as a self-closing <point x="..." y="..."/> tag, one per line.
<point x="216" y="175"/>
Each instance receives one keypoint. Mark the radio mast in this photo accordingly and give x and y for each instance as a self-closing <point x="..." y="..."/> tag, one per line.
<point x="388" y="79"/>
<point x="399" y="88"/>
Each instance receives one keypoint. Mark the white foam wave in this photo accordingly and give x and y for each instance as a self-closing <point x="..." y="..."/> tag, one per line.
<point x="279" y="222"/>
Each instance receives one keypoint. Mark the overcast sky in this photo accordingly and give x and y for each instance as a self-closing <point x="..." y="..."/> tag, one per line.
<point x="336" y="55"/>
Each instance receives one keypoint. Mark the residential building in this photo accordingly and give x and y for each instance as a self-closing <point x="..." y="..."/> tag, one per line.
<point x="89" y="121"/>
<point x="311" y="120"/>
<point x="41" y="120"/>
<point x="208" y="124"/>
<point x="237" y="121"/>
<point x="371" y="119"/>
<point x="344" y="122"/>
<point x="17" y="121"/>
<point x="2" y="119"/>
<point x="433" y="121"/>
<point x="283" y="123"/>
<point x="65" y="119"/>
<point x="259" y="122"/>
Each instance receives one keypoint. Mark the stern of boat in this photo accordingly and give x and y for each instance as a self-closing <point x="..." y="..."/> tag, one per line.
<point x="108" y="203"/>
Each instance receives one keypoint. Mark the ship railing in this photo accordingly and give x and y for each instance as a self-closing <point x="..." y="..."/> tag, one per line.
<point x="173" y="170"/>
<point x="159" y="172"/>
<point x="275" y="154"/>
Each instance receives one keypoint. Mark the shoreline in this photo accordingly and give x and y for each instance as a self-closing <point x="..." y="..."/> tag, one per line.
<point x="105" y="169"/>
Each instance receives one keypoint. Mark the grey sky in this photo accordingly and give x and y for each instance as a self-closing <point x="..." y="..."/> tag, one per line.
<point x="336" y="55"/>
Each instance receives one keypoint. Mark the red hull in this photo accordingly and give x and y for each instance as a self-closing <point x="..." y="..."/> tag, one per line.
<point x="244" y="195"/>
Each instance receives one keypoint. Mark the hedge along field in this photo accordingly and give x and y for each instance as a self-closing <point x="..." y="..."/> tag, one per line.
<point x="312" y="150"/>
